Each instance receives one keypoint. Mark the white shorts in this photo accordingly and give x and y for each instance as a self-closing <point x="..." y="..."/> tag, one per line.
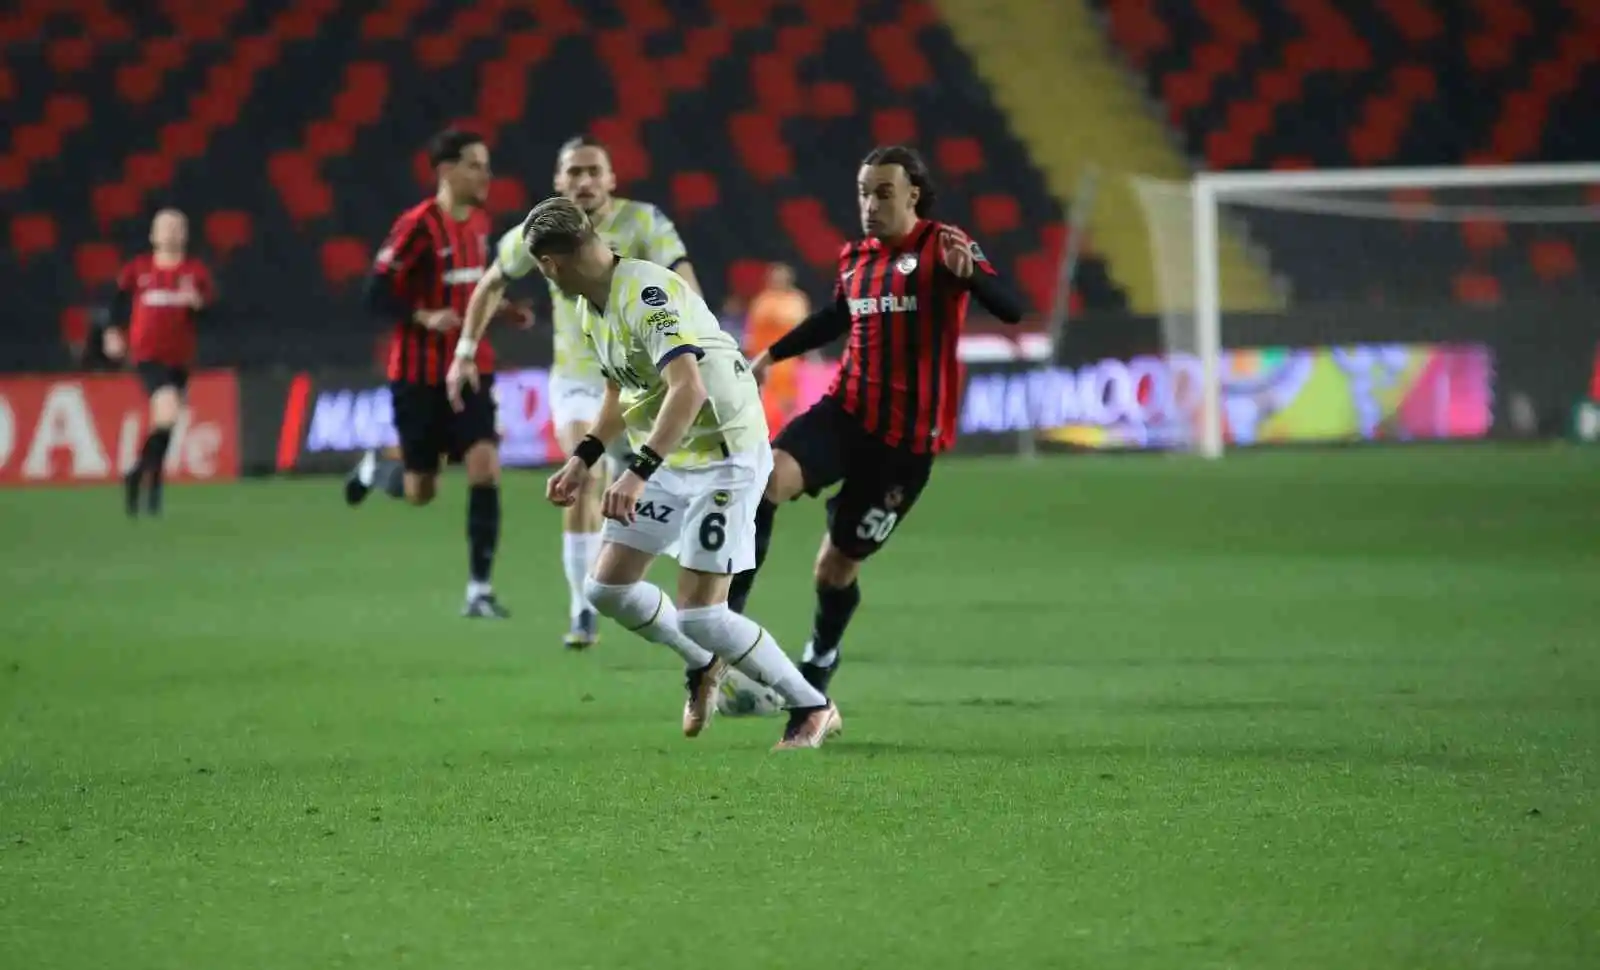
<point x="708" y="512"/>
<point x="573" y="400"/>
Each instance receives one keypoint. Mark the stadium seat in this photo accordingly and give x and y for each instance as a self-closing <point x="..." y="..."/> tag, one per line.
<point x="33" y="234"/>
<point x="345" y="259"/>
<point x="507" y="197"/>
<point x="227" y="231"/>
<point x="97" y="264"/>
<point x="693" y="192"/>
<point x="74" y="326"/>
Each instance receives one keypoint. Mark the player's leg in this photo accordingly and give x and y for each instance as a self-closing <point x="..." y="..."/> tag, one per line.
<point x="476" y="441"/>
<point x="807" y="457"/>
<point x="618" y="590"/>
<point x="717" y="540"/>
<point x="412" y="476"/>
<point x="861" y="518"/>
<point x="574" y="406"/>
<point x="165" y="386"/>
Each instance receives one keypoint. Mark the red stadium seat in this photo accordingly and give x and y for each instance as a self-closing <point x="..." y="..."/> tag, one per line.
<point x="437" y="51"/>
<point x="67" y="112"/>
<point x="97" y="263"/>
<point x="36" y="142"/>
<point x="345" y="259"/>
<point x="1477" y="288"/>
<point x="693" y="192"/>
<point x="325" y="139"/>
<point x="227" y="231"/>
<point x="70" y="55"/>
<point x="13" y="173"/>
<point x="182" y="140"/>
<point x="760" y="146"/>
<point x="1483" y="235"/>
<point x="508" y="197"/>
<point x="114" y="203"/>
<point x="33" y="234"/>
<point x="815" y="238"/>
<point x="959" y="156"/>
<point x="899" y="57"/>
<point x="832" y="99"/>
<point x="8" y="84"/>
<point x="775" y="85"/>
<point x="894" y="126"/>
<point x="796" y="42"/>
<point x="746" y="277"/>
<point x="995" y="214"/>
<point x="1553" y="259"/>
<point x="147" y="171"/>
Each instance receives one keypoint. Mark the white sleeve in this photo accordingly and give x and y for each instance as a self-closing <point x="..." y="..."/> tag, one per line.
<point x="512" y="254"/>
<point x="656" y="316"/>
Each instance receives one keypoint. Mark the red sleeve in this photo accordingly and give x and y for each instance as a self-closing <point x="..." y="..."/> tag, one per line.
<point x="407" y="241"/>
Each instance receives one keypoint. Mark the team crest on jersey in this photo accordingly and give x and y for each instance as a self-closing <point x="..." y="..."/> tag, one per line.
<point x="893" y="498"/>
<point x="906" y="264"/>
<point x="653" y="296"/>
<point x="721" y="499"/>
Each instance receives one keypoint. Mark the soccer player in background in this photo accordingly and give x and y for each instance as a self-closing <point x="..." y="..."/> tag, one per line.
<point x="902" y="296"/>
<point x="637" y="230"/>
<point x="684" y="395"/>
<point x="421" y="281"/>
<point x="161" y="296"/>
<point x="776" y="310"/>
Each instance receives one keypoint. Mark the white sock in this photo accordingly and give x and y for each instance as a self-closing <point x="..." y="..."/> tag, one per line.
<point x="753" y="652"/>
<point x="368" y="468"/>
<point x="476" y="589"/>
<point x="578" y="553"/>
<point x="810" y="656"/>
<point x="644" y="609"/>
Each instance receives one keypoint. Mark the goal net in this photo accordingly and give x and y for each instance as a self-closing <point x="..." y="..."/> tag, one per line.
<point x="1373" y="304"/>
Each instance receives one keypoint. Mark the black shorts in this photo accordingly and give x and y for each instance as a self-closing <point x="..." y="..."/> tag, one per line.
<point x="428" y="427"/>
<point x="880" y="483"/>
<point x="156" y="375"/>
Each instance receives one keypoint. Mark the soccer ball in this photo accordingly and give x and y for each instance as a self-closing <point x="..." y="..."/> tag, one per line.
<point x="739" y="696"/>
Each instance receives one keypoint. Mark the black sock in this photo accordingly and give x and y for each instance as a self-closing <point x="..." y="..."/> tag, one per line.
<point x="835" y="606"/>
<point x="739" y="590"/>
<point x="390" y="476"/>
<point x="153" y="456"/>
<point x="483" y="529"/>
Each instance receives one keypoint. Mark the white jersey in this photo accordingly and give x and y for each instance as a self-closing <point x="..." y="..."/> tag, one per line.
<point x="653" y="316"/>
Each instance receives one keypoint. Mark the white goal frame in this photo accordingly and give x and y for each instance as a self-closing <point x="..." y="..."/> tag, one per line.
<point x="1211" y="190"/>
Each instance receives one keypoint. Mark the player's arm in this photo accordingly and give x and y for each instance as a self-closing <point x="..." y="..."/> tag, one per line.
<point x="816" y="331"/>
<point x="657" y="320"/>
<point x="986" y="284"/>
<point x="609" y="423"/>
<point x="481" y="305"/>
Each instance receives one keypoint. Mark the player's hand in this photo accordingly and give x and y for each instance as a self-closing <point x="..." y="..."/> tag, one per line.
<point x="621" y="498"/>
<point x="463" y="373"/>
<point x="563" y="487"/>
<point x="441" y="320"/>
<point x="114" y="343"/>
<point x="519" y="315"/>
<point x="955" y="250"/>
<point x="191" y="296"/>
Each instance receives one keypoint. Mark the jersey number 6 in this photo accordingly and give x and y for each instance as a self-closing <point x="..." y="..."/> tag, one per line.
<point x="713" y="531"/>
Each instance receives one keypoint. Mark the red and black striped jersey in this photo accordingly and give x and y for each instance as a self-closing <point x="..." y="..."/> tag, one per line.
<point x="161" y="321"/>
<point x="900" y="374"/>
<point x="432" y="261"/>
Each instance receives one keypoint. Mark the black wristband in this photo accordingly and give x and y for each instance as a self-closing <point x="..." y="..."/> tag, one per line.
<point x="645" y="462"/>
<point x="589" y="450"/>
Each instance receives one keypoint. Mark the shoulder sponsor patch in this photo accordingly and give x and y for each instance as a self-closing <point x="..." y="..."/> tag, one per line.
<point x="663" y="321"/>
<point x="654" y="296"/>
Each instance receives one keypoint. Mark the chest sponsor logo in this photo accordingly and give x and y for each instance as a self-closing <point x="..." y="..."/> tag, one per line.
<point x="867" y="306"/>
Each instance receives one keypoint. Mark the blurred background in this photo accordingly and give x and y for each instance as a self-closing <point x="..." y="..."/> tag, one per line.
<point x="1063" y="135"/>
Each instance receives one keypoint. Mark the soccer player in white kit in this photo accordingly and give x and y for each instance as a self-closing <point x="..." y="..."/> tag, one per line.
<point x="684" y="395"/>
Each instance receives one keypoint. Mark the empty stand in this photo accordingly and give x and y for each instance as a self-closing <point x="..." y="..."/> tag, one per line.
<point x="1294" y="84"/>
<point x="291" y="132"/>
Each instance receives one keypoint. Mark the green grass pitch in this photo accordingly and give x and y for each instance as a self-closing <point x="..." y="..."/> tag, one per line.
<point x="1290" y="711"/>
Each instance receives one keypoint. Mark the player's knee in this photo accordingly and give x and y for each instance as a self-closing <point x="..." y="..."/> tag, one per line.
<point x="606" y="598"/>
<point x="483" y="464"/>
<point x="834" y="569"/>
<point x="420" y="489"/>
<point x="786" y="481"/>
<point x="164" y="407"/>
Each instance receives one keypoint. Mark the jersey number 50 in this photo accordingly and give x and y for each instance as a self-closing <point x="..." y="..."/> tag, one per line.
<point x="876" y="525"/>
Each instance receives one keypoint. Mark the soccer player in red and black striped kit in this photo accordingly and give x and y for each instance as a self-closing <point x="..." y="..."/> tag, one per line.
<point x="161" y="296"/>
<point x="424" y="274"/>
<point x="902" y="296"/>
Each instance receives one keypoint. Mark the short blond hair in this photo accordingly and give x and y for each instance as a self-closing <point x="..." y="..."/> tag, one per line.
<point x="557" y="226"/>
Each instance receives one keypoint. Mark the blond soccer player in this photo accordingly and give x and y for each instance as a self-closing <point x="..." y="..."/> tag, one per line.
<point x="637" y="230"/>
<point x="681" y="391"/>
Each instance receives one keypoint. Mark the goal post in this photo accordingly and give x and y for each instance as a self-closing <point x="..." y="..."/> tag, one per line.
<point x="1319" y="202"/>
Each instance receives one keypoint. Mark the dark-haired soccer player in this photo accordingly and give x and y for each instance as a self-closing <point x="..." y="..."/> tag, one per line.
<point x="636" y="230"/>
<point x="160" y="297"/>
<point x="421" y="281"/>
<point x="902" y="296"/>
